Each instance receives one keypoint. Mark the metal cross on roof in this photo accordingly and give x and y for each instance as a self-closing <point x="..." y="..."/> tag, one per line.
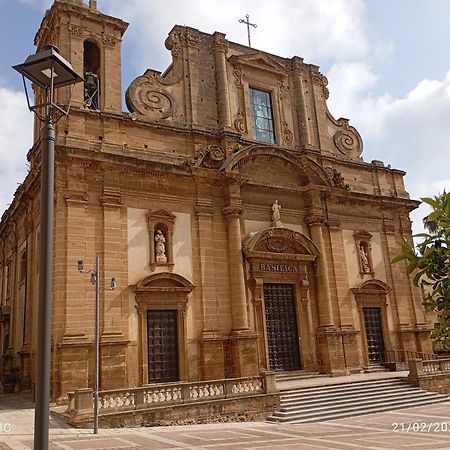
<point x="247" y="22"/>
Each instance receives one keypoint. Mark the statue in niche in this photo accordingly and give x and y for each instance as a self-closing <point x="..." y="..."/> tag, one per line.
<point x="160" y="247"/>
<point x="364" y="259"/>
<point x="276" y="215"/>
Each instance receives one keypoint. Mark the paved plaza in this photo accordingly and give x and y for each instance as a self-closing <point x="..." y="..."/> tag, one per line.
<point x="426" y="427"/>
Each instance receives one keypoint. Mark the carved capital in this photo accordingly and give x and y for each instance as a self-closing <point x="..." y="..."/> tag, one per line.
<point x="232" y="211"/>
<point x="109" y="40"/>
<point x="77" y="31"/>
<point x="314" y="219"/>
<point x="220" y="43"/>
<point x="109" y="198"/>
<point x="204" y="209"/>
<point x="76" y="197"/>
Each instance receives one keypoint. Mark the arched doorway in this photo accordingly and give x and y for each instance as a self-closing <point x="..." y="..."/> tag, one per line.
<point x="161" y="302"/>
<point x="371" y="299"/>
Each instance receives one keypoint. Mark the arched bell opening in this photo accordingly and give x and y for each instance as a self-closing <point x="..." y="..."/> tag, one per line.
<point x="91" y="73"/>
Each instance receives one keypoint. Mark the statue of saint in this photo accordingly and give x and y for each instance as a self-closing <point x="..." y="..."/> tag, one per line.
<point x="160" y="247"/>
<point x="364" y="259"/>
<point x="276" y="215"/>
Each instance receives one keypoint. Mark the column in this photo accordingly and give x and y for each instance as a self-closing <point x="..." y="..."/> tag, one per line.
<point x="330" y="344"/>
<point x="223" y="94"/>
<point x="314" y="223"/>
<point x="244" y="346"/>
<point x="236" y="268"/>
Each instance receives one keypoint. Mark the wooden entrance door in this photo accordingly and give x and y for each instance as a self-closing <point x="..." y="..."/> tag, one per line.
<point x="374" y="334"/>
<point x="162" y="346"/>
<point x="281" y="325"/>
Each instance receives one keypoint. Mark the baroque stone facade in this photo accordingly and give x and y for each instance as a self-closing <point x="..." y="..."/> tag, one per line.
<point x="244" y="229"/>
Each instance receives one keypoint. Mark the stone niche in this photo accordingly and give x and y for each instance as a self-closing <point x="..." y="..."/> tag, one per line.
<point x="160" y="226"/>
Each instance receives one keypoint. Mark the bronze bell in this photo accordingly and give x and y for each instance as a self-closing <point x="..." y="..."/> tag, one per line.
<point x="90" y="81"/>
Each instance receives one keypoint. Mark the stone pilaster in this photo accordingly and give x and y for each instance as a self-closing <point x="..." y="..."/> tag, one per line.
<point x="212" y="349"/>
<point x="112" y="265"/>
<point x="73" y="314"/>
<point x="220" y="46"/>
<point x="300" y="103"/>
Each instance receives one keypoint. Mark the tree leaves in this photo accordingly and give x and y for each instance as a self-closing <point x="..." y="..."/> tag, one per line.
<point x="430" y="260"/>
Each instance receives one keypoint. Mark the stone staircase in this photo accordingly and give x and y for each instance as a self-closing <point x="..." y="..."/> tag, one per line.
<point x="327" y="402"/>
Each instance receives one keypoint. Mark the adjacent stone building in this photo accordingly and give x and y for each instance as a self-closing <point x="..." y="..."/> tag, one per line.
<point x="243" y="227"/>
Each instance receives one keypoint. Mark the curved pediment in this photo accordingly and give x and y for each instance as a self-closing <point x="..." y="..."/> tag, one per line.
<point x="254" y="160"/>
<point x="279" y="241"/>
<point x="372" y="287"/>
<point x="164" y="281"/>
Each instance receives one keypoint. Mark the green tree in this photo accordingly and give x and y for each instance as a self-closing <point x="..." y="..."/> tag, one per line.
<point x="429" y="261"/>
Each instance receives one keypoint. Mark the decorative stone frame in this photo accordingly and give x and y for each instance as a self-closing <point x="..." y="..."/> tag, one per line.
<point x="295" y="254"/>
<point x="373" y="294"/>
<point x="162" y="291"/>
<point x="362" y="241"/>
<point x="163" y="220"/>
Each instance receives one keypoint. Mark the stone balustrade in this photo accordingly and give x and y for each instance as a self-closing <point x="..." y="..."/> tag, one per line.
<point x="432" y="375"/>
<point x="168" y="394"/>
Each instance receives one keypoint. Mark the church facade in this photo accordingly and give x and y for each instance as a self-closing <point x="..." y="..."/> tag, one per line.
<point x="245" y="231"/>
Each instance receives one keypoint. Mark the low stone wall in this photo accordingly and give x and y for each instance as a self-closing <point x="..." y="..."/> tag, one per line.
<point x="431" y="375"/>
<point x="240" y="399"/>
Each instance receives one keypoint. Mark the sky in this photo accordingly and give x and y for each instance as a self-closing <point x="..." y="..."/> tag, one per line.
<point x="387" y="62"/>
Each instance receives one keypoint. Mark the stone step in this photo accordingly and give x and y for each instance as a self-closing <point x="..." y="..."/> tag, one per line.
<point x="343" y="403"/>
<point x="320" y="403"/>
<point x="299" y="398"/>
<point x="356" y="411"/>
<point x="347" y="386"/>
<point x="297" y="375"/>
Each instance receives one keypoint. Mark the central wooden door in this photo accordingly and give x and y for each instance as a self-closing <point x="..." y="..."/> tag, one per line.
<point x="374" y="334"/>
<point x="162" y="332"/>
<point x="281" y="325"/>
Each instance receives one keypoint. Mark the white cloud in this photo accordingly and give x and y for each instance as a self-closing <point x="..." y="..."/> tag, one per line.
<point x="15" y="141"/>
<point x="333" y="30"/>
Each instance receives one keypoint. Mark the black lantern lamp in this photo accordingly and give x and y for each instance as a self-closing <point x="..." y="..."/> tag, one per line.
<point x="48" y="70"/>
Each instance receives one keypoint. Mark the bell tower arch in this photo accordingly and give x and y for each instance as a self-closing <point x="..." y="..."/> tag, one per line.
<point x="91" y="42"/>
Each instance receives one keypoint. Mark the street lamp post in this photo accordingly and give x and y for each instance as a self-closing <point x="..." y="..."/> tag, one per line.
<point x="48" y="70"/>
<point x="95" y="280"/>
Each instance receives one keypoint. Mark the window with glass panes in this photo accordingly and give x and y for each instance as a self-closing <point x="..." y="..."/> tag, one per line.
<point x="262" y="116"/>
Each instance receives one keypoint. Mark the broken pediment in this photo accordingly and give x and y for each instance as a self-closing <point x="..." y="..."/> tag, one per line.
<point x="257" y="163"/>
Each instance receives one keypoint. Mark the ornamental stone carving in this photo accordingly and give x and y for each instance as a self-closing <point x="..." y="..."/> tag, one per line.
<point x="287" y="133"/>
<point x="77" y="31"/>
<point x="347" y="140"/>
<point x="336" y="177"/>
<point x="220" y="43"/>
<point x="232" y="211"/>
<point x="148" y="99"/>
<point x="210" y="157"/>
<point x="109" y="40"/>
<point x="238" y="75"/>
<point x="239" y="122"/>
